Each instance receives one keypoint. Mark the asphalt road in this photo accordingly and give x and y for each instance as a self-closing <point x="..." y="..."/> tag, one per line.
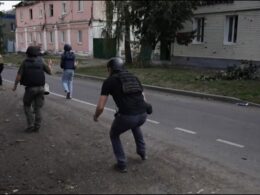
<point x="225" y="133"/>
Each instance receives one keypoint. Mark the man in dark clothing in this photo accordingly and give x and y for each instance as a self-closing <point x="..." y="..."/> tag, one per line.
<point x="31" y="75"/>
<point x="68" y="64"/>
<point x="127" y="92"/>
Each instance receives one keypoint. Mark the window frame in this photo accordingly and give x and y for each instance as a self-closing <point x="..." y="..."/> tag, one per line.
<point x="41" y="13"/>
<point x="63" y="8"/>
<point x="31" y="14"/>
<point x="51" y="10"/>
<point x="80" y="6"/>
<point x="30" y="37"/>
<point x="21" y="15"/>
<point x="63" y="37"/>
<point x="39" y="37"/>
<point x="199" y="26"/>
<point x="51" y="37"/>
<point x="79" y="36"/>
<point x="231" y="29"/>
<point x="12" y="26"/>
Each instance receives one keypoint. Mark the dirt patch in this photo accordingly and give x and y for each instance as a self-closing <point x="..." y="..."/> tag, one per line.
<point x="72" y="154"/>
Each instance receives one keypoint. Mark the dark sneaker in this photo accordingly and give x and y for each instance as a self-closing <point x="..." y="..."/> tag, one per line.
<point x="121" y="169"/>
<point x="68" y="96"/>
<point x="36" y="129"/>
<point x="143" y="156"/>
<point x="29" y="129"/>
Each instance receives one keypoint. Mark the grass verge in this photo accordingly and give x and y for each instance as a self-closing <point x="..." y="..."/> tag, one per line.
<point x="185" y="79"/>
<point x="175" y="77"/>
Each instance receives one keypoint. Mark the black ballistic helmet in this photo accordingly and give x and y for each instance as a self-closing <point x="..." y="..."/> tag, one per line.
<point x="33" y="51"/>
<point x="67" y="47"/>
<point x="116" y="64"/>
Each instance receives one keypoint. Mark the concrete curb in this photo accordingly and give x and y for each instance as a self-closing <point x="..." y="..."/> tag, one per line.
<point x="184" y="92"/>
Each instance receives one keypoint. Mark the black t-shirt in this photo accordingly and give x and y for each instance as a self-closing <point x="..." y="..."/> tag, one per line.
<point x="128" y="104"/>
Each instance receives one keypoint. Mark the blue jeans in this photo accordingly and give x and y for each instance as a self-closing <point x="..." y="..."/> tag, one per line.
<point x="121" y="124"/>
<point x="67" y="80"/>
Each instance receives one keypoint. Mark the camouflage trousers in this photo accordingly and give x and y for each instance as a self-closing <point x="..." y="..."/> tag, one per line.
<point x="33" y="101"/>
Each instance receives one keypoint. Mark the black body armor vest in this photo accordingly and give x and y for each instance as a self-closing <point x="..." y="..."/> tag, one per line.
<point x="130" y="83"/>
<point x="33" y="73"/>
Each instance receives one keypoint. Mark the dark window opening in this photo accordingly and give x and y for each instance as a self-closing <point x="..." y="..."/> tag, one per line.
<point x="31" y="14"/>
<point x="51" y="9"/>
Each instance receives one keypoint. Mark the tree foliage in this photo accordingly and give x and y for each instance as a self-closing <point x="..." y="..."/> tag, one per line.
<point x="152" y="22"/>
<point x="109" y="18"/>
<point x="156" y="21"/>
<point x="122" y="24"/>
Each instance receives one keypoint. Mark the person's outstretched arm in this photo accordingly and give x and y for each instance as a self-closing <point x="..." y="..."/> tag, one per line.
<point x="100" y="107"/>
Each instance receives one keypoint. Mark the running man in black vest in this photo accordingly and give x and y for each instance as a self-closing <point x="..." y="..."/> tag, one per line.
<point x="31" y="75"/>
<point x="127" y="93"/>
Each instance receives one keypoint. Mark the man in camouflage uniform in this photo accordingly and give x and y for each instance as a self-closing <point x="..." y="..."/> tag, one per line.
<point x="31" y="75"/>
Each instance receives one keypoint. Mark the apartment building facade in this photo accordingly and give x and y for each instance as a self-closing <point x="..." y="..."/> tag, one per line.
<point x="226" y="34"/>
<point x="51" y="24"/>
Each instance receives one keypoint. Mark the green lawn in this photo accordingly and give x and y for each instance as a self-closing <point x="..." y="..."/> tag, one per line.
<point x="185" y="79"/>
<point x="175" y="77"/>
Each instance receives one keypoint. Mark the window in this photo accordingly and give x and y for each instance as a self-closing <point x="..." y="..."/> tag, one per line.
<point x="30" y="37"/>
<point x="31" y="13"/>
<point x="79" y="36"/>
<point x="80" y="5"/>
<point x="51" y="37"/>
<point x="39" y="37"/>
<point x="64" y="8"/>
<point x="12" y="27"/>
<point x="199" y="27"/>
<point x="40" y="13"/>
<point x="231" y="29"/>
<point x="51" y="10"/>
<point x="21" y="15"/>
<point x="21" y="37"/>
<point x="63" y="37"/>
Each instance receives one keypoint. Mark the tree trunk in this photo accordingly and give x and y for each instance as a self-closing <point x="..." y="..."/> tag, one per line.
<point x="165" y="50"/>
<point x="128" y="54"/>
<point x="144" y="58"/>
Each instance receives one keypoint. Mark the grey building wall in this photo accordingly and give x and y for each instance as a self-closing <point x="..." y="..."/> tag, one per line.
<point x="214" y="52"/>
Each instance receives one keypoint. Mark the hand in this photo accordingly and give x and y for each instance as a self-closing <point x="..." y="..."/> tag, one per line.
<point x="95" y="118"/>
<point x="76" y="63"/>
